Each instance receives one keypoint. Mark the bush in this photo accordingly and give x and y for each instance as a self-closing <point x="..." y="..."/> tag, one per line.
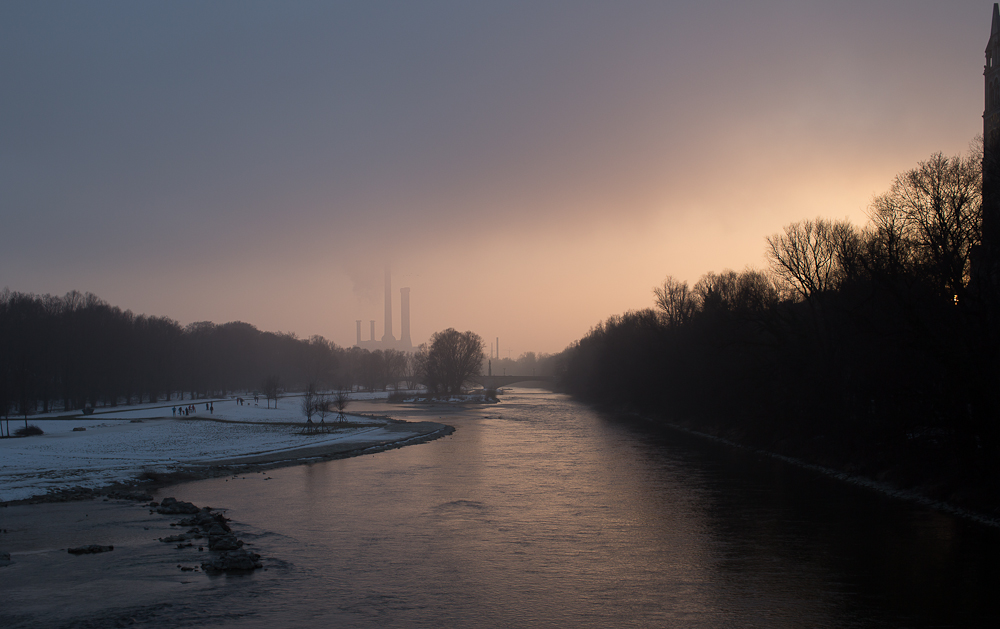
<point x="28" y="431"/>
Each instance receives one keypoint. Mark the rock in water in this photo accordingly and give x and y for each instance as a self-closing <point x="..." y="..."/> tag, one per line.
<point x="225" y="542"/>
<point x="233" y="561"/>
<point x="173" y="539"/>
<point x="172" y="506"/>
<point x="217" y="530"/>
<point x="207" y="520"/>
<point x="88" y="550"/>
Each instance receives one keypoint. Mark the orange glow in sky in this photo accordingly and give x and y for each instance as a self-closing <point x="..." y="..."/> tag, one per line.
<point x="527" y="169"/>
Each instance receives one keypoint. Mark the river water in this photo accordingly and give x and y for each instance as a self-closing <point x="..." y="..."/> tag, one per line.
<point x="541" y="512"/>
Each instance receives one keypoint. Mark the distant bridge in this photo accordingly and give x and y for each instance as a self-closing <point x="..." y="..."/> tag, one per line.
<point x="495" y="382"/>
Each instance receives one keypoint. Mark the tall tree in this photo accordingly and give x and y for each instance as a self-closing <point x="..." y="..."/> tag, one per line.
<point x="935" y="210"/>
<point x="452" y="358"/>
<point x="674" y="301"/>
<point x="271" y="387"/>
<point x="805" y="256"/>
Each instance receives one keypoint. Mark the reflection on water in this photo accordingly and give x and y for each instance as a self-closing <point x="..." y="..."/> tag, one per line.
<point x="541" y="512"/>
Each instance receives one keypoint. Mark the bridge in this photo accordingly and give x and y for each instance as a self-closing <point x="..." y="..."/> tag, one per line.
<point x="495" y="382"/>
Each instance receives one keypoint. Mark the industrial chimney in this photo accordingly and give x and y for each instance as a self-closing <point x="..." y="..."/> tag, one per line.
<point x="359" y="332"/>
<point x="388" y="337"/>
<point x="404" y="318"/>
<point x="373" y="329"/>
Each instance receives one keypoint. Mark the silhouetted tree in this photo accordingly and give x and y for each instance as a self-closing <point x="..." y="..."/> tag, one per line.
<point x="674" y="301"/>
<point x="805" y="256"/>
<point x="340" y="400"/>
<point x="451" y="359"/>
<point x="411" y="371"/>
<point x="852" y="352"/>
<point x="78" y="351"/>
<point x="935" y="211"/>
<point x="271" y="386"/>
<point x="308" y="403"/>
<point x="322" y="405"/>
<point x="394" y="366"/>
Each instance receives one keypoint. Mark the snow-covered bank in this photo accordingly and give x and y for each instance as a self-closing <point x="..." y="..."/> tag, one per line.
<point x="289" y="401"/>
<point x="118" y="446"/>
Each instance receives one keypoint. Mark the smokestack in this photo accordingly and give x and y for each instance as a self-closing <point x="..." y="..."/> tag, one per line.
<point x="359" y="332"/>
<point x="498" y="348"/>
<point x="404" y="317"/>
<point x="373" y="329"/>
<point x="388" y="337"/>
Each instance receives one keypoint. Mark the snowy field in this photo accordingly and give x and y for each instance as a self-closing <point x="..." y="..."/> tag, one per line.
<point x="290" y="405"/>
<point x="116" y="447"/>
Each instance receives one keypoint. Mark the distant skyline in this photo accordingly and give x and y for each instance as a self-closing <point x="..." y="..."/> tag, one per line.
<point x="527" y="168"/>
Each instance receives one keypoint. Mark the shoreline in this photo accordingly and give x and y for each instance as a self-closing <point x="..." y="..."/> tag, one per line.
<point x="858" y="480"/>
<point x="149" y="481"/>
<point x="141" y="571"/>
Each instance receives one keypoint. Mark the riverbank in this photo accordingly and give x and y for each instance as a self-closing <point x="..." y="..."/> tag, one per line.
<point x="142" y="448"/>
<point x="141" y="572"/>
<point x="960" y="499"/>
<point x="354" y="440"/>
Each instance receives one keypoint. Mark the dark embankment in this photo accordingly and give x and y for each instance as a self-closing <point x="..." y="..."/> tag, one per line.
<point x="873" y="351"/>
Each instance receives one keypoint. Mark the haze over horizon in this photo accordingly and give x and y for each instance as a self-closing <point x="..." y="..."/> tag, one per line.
<point x="527" y="169"/>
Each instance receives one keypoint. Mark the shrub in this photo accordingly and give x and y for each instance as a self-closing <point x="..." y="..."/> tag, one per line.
<point x="28" y="431"/>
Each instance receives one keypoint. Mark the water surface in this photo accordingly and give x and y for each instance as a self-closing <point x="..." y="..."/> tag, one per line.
<point x="540" y="512"/>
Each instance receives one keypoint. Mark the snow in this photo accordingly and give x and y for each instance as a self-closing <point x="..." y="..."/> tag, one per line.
<point x="289" y="402"/>
<point x="117" y="447"/>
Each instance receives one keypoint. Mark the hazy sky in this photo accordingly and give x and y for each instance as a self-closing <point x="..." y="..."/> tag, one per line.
<point x="528" y="168"/>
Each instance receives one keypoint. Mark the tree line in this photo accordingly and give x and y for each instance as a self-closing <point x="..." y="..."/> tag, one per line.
<point x="527" y="364"/>
<point x="872" y="349"/>
<point x="75" y="351"/>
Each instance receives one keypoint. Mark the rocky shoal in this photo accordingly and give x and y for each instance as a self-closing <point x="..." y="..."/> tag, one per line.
<point x="206" y="524"/>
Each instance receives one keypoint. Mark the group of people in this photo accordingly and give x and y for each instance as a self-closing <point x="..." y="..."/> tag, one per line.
<point x="209" y="406"/>
<point x="190" y="408"/>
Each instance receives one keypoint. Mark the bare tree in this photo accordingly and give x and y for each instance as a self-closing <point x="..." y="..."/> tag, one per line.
<point x="453" y="357"/>
<point x="749" y="291"/>
<point x="271" y="386"/>
<point x="716" y="291"/>
<point x="805" y="256"/>
<point x="675" y="302"/>
<point x="309" y="403"/>
<point x="412" y="371"/>
<point x="394" y="366"/>
<point x="322" y="405"/>
<point x="340" y="401"/>
<point x="931" y="217"/>
<point x="756" y="291"/>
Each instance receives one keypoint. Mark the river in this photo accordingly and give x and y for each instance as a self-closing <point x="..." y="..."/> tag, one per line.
<point x="541" y="512"/>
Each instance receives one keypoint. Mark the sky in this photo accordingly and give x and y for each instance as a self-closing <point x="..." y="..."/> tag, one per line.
<point x="526" y="168"/>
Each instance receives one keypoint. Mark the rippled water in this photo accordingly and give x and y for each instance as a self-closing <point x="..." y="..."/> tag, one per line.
<point x="540" y="512"/>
